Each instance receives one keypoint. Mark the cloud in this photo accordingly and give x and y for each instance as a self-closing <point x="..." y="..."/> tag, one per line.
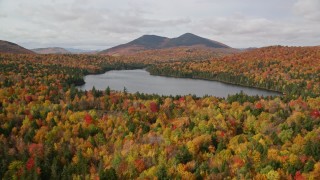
<point x="104" y="23"/>
<point x="79" y="21"/>
<point x="2" y="15"/>
<point x="309" y="9"/>
<point x="241" y="30"/>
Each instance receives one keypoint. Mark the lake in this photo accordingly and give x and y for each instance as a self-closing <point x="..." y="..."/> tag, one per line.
<point x="140" y="80"/>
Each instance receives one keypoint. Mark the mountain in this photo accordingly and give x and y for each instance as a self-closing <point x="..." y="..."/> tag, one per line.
<point x="9" y="47"/>
<point x="81" y="51"/>
<point x="51" y="50"/>
<point x="149" y="42"/>
<point x="58" y="50"/>
<point x="189" y="39"/>
<point x="145" y="42"/>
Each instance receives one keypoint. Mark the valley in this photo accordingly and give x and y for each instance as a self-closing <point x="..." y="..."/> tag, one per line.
<point x="159" y="90"/>
<point x="51" y="129"/>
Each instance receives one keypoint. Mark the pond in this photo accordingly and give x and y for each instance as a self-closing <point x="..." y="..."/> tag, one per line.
<point x="141" y="81"/>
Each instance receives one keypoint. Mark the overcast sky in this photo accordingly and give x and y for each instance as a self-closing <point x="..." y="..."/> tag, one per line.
<point x="100" y="24"/>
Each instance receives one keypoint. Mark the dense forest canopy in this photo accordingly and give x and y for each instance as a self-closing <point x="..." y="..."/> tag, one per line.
<point x="51" y="130"/>
<point x="292" y="70"/>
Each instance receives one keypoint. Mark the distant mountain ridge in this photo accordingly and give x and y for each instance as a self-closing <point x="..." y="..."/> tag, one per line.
<point x="189" y="39"/>
<point x="59" y="50"/>
<point x="81" y="51"/>
<point x="148" y="42"/>
<point x="9" y="47"/>
<point x="51" y="50"/>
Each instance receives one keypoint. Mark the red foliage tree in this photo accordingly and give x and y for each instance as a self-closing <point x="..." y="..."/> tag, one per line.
<point x="139" y="164"/>
<point x="154" y="107"/>
<point x="28" y="99"/>
<point x="30" y="164"/>
<point x="88" y="119"/>
<point x="315" y="113"/>
<point x="35" y="150"/>
<point x="258" y="105"/>
<point x="299" y="176"/>
<point x="131" y="110"/>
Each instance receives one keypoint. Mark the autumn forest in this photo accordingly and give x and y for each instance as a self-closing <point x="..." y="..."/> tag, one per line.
<point x="49" y="129"/>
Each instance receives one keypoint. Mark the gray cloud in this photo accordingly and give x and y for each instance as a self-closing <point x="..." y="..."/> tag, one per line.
<point x="258" y="31"/>
<point x="99" y="24"/>
<point x="309" y="9"/>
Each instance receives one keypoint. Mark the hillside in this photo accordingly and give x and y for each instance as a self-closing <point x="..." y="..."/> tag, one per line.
<point x="9" y="47"/>
<point x="292" y="70"/>
<point x="51" y="50"/>
<point x="189" y="39"/>
<point x="183" y="53"/>
<point x="50" y="129"/>
<point x="149" y="42"/>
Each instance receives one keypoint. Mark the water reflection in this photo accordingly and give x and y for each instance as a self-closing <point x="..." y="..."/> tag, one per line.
<point x="140" y="80"/>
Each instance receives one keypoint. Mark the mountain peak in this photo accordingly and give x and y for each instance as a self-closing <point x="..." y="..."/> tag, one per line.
<point x="151" y="36"/>
<point x="146" y="42"/>
<point x="189" y="39"/>
<point x="188" y="34"/>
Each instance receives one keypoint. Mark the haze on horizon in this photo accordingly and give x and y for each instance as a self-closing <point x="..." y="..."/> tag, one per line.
<point x="100" y="24"/>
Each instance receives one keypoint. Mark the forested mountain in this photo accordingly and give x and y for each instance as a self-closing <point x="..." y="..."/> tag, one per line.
<point x="9" y="47"/>
<point x="149" y="42"/>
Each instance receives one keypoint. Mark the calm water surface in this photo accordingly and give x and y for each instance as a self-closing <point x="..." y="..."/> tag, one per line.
<point x="140" y="80"/>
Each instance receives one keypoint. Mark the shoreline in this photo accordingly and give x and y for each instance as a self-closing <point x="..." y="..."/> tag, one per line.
<point x="221" y="81"/>
<point x="171" y="76"/>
